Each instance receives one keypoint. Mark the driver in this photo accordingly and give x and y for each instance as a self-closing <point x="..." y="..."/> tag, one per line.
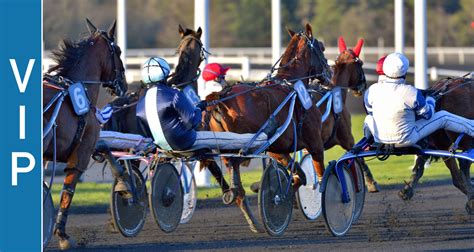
<point x="173" y="120"/>
<point x="399" y="114"/>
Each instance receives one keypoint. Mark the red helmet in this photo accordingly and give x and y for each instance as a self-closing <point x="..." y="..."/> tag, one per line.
<point x="213" y="70"/>
<point x="379" y="67"/>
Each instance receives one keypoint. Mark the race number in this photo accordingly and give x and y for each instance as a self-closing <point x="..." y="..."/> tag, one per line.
<point x="337" y="104"/>
<point x="303" y="95"/>
<point x="191" y="94"/>
<point x="79" y="98"/>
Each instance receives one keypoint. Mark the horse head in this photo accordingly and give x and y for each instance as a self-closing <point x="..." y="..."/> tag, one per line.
<point x="191" y="53"/>
<point x="348" y="70"/>
<point x="304" y="58"/>
<point x="105" y="49"/>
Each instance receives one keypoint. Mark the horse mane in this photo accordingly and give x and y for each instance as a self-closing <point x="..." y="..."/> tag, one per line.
<point x="68" y="54"/>
<point x="183" y="67"/>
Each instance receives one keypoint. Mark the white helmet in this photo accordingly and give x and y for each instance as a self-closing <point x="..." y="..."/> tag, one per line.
<point x="155" y="70"/>
<point x="396" y="65"/>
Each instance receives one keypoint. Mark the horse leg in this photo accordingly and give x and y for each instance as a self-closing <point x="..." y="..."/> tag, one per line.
<point x="217" y="173"/>
<point x="299" y="178"/>
<point x="240" y="199"/>
<point x="372" y="185"/>
<point x="417" y="172"/>
<point x="456" y="175"/>
<point x="227" y="195"/>
<point x="465" y="167"/>
<point x="67" y="193"/>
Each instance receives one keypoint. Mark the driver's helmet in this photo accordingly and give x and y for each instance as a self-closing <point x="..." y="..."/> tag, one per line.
<point x="155" y="70"/>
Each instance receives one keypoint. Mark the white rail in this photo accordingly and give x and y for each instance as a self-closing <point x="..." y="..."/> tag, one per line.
<point x="253" y="63"/>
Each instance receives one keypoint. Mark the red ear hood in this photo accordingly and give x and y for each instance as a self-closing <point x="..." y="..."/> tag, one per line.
<point x="341" y="44"/>
<point x="358" y="47"/>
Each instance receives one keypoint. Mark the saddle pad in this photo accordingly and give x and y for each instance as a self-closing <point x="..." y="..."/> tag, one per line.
<point x="121" y="141"/>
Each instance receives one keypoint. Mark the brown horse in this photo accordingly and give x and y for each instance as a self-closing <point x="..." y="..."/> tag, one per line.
<point x="336" y="130"/>
<point x="302" y="59"/>
<point x="93" y="61"/>
<point x="458" y="99"/>
<point x="191" y="53"/>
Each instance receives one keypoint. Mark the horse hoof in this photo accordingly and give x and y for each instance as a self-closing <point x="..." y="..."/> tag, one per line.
<point x="373" y="187"/>
<point x="405" y="194"/>
<point x="111" y="227"/>
<point x="228" y="197"/>
<point x="255" y="187"/>
<point x="65" y="244"/>
<point x="470" y="207"/>
<point x="257" y="229"/>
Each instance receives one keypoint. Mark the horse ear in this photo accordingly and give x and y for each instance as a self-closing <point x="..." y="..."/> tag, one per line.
<point x="111" y="30"/>
<point x="358" y="47"/>
<point x="199" y="32"/>
<point x="181" y="30"/>
<point x="341" y="44"/>
<point x="321" y="45"/>
<point x="90" y="26"/>
<point x="309" y="30"/>
<point x="290" y="31"/>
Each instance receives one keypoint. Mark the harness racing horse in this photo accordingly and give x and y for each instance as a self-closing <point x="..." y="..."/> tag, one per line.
<point x="303" y="59"/>
<point x="92" y="62"/>
<point x="190" y="53"/>
<point x="336" y="129"/>
<point x="456" y="96"/>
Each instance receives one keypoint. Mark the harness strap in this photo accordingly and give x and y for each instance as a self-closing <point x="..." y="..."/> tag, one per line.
<point x="334" y="130"/>
<point x="79" y="134"/>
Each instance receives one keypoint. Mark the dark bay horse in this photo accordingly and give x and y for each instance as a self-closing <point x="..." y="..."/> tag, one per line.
<point x="245" y="113"/>
<point x="191" y="53"/>
<point x="458" y="99"/>
<point x="93" y="61"/>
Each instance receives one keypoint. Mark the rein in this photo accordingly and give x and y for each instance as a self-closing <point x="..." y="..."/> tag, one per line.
<point x="437" y="94"/>
<point x="215" y="102"/>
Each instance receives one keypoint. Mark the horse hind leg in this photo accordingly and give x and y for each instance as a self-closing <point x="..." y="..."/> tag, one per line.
<point x="417" y="172"/>
<point x="465" y="167"/>
<point x="372" y="185"/>
<point x="241" y="200"/>
<point x="67" y="193"/>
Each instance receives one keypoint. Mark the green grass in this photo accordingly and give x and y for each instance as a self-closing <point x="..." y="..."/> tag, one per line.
<point x="393" y="171"/>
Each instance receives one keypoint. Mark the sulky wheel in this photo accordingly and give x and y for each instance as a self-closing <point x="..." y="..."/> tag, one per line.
<point x="337" y="214"/>
<point x="190" y="192"/>
<point x="128" y="215"/>
<point x="275" y="199"/>
<point x="309" y="196"/>
<point x="360" y="189"/>
<point x="166" y="197"/>
<point x="48" y="215"/>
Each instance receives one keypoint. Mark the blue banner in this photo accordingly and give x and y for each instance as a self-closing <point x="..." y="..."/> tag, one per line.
<point x="20" y="125"/>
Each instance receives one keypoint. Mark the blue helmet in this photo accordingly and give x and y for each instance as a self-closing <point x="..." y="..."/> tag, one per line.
<point x="155" y="70"/>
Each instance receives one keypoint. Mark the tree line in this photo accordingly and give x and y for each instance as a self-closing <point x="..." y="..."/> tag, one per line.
<point x="247" y="23"/>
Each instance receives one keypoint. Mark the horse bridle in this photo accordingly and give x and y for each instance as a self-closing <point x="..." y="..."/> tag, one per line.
<point x="362" y="85"/>
<point x="315" y="49"/>
<point x="202" y="56"/>
<point x="201" y="46"/>
<point x="119" y="73"/>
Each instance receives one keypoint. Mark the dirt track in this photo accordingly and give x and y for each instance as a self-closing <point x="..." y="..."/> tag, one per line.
<point x="434" y="219"/>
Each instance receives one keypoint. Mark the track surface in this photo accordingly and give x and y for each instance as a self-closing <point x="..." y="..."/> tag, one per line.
<point x="434" y="219"/>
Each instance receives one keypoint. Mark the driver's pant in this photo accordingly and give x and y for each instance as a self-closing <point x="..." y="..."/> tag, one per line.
<point x="440" y="120"/>
<point x="226" y="140"/>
